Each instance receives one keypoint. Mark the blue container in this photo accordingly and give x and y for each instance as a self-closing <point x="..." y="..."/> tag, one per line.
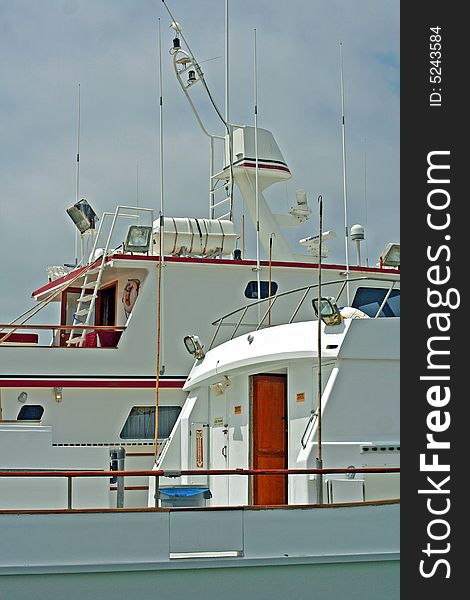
<point x="183" y="495"/>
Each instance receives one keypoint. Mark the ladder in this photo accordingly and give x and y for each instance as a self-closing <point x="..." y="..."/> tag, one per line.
<point x="220" y="190"/>
<point x="220" y="209"/>
<point x="86" y="301"/>
<point x="91" y="284"/>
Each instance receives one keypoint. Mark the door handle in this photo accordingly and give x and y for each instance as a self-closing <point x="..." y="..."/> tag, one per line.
<point x="224" y="451"/>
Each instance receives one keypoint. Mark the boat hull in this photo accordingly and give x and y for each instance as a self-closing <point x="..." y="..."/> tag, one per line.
<point x="327" y="553"/>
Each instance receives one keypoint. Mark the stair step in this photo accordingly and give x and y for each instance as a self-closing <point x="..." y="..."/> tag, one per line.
<point x="74" y="340"/>
<point x="82" y="312"/>
<point x="88" y="285"/>
<point x="220" y="202"/>
<point x="87" y="297"/>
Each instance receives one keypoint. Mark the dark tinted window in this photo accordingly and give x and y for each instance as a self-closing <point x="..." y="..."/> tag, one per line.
<point x="140" y="424"/>
<point x="30" y="412"/>
<point x="369" y="301"/>
<point x="251" y="290"/>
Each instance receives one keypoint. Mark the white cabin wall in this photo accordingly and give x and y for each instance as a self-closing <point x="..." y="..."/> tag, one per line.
<point x="29" y="447"/>
<point x="86" y="416"/>
<point x="373" y="413"/>
<point x="299" y="382"/>
<point x="239" y="436"/>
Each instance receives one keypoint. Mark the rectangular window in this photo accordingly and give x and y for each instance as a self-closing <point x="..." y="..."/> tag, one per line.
<point x="30" y="412"/>
<point x="369" y="300"/>
<point x="140" y="424"/>
<point x="251" y="290"/>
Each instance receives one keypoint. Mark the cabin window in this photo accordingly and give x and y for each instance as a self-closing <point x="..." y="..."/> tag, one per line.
<point x="369" y="301"/>
<point x="30" y="412"/>
<point x="251" y="290"/>
<point x="140" y="424"/>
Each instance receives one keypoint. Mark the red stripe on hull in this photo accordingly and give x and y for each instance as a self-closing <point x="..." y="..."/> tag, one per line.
<point x="49" y="383"/>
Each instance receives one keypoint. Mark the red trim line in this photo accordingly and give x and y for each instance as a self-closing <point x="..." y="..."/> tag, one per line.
<point x="36" y="383"/>
<point x="216" y="261"/>
<point x="263" y="166"/>
<point x="264" y="263"/>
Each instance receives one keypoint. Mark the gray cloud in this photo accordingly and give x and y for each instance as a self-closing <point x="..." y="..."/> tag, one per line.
<point x="110" y="48"/>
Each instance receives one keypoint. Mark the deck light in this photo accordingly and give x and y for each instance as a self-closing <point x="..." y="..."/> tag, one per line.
<point x="58" y="394"/>
<point x="194" y="346"/>
<point x="390" y="257"/>
<point x="82" y="215"/>
<point x="220" y="387"/>
<point x="191" y="77"/>
<point x="23" y="397"/>
<point x="138" y="239"/>
<point x="329" y="311"/>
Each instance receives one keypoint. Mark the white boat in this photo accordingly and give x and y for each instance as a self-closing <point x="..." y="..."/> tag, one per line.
<point x="87" y="392"/>
<point x="238" y="486"/>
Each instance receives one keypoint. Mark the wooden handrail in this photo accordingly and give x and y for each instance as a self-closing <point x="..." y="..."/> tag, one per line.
<point x="67" y="327"/>
<point x="172" y="474"/>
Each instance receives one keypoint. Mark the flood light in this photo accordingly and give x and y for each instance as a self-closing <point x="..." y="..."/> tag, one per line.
<point x="82" y="215"/>
<point x="194" y="346"/>
<point x="329" y="311"/>
<point x="390" y="257"/>
<point x="23" y="397"/>
<point x="138" y="239"/>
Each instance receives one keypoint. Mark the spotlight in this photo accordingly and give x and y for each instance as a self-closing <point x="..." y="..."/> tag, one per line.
<point x="82" y="215"/>
<point x="329" y="311"/>
<point x="138" y="239"/>
<point x="390" y="257"/>
<point x="194" y="346"/>
<point x="58" y="394"/>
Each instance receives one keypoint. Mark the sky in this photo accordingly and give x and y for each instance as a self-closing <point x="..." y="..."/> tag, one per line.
<point x="110" y="49"/>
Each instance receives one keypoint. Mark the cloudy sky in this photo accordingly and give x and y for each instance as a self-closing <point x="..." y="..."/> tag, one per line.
<point x="109" y="47"/>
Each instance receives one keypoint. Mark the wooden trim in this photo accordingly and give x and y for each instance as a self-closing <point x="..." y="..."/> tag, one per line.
<point x="98" y="327"/>
<point x="392" y="501"/>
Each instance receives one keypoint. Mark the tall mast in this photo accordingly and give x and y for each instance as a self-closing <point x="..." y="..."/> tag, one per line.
<point x="77" y="190"/>
<point x="345" y="198"/>
<point x="365" y="199"/>
<point x="319" y="460"/>
<point x="160" y="258"/>
<point x="227" y="72"/>
<point x="255" y="86"/>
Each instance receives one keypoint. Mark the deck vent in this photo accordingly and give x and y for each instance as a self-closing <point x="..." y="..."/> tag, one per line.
<point x="382" y="448"/>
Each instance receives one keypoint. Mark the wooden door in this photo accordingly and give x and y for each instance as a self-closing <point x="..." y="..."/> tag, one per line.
<point x="269" y="419"/>
<point x="105" y="308"/>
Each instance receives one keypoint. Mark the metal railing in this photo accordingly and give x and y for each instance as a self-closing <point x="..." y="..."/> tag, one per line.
<point x="71" y="475"/>
<point x="270" y="301"/>
<point x="5" y="337"/>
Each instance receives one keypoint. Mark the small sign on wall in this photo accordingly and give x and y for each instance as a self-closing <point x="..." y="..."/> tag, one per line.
<point x="218" y="422"/>
<point x="237" y="410"/>
<point x="199" y="449"/>
<point x="300" y="397"/>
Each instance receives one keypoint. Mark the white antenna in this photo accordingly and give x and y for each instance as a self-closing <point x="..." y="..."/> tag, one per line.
<point x="137" y="184"/>
<point x="227" y="74"/>
<point x="255" y="75"/>
<point x="77" y="193"/>
<point x="365" y="199"/>
<point x="160" y="77"/>
<point x="345" y="199"/>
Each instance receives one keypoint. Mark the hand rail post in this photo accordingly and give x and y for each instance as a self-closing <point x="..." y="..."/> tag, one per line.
<point x="69" y="492"/>
<point x="157" y="490"/>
